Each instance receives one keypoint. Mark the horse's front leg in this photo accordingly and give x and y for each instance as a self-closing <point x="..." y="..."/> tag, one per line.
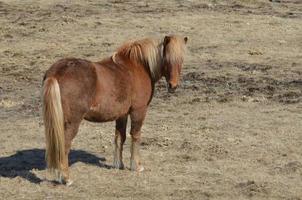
<point x="137" y="119"/>
<point x="119" y="140"/>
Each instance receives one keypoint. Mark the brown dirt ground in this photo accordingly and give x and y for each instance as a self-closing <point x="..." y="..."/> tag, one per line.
<point x="232" y="130"/>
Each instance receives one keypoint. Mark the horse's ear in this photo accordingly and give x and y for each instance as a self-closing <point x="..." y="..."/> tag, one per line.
<point x="166" y="40"/>
<point x="186" y="40"/>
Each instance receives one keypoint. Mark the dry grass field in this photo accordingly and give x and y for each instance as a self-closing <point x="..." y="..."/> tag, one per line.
<point x="233" y="130"/>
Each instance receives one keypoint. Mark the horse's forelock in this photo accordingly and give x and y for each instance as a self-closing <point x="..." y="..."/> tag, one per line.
<point x="174" y="50"/>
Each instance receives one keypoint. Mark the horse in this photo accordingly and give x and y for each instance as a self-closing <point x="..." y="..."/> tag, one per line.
<point x="112" y="89"/>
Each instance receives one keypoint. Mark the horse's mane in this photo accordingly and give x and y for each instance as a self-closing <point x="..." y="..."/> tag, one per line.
<point x="149" y="52"/>
<point x="146" y="51"/>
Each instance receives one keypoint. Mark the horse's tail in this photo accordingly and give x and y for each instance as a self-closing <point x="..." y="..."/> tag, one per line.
<point x="54" y="124"/>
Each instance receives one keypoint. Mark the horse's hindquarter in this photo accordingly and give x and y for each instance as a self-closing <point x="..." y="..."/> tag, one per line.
<point x="113" y="93"/>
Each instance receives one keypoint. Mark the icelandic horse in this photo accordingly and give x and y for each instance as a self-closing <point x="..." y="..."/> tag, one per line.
<point x="111" y="89"/>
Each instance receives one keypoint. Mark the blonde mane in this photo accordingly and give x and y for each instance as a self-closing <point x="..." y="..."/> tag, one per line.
<point x="149" y="52"/>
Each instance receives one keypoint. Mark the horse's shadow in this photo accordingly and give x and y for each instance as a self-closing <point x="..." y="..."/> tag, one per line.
<point x="21" y="163"/>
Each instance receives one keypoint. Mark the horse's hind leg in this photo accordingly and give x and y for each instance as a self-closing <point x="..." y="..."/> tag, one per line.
<point x="71" y="130"/>
<point x="119" y="140"/>
<point x="137" y="119"/>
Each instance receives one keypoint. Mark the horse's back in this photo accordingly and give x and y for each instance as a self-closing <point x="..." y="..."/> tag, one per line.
<point x="113" y="92"/>
<point x="72" y="68"/>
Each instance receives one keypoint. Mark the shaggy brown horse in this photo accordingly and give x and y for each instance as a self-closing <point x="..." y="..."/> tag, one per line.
<point x="118" y="86"/>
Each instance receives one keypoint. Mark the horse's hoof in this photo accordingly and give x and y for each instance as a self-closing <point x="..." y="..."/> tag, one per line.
<point x="137" y="168"/>
<point x="140" y="168"/>
<point x="68" y="183"/>
<point x="63" y="181"/>
<point x="118" y="165"/>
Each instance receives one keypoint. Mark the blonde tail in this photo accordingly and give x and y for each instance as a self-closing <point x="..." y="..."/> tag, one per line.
<point x="54" y="124"/>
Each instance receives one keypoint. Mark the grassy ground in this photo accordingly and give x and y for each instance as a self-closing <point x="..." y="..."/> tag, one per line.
<point x="231" y="131"/>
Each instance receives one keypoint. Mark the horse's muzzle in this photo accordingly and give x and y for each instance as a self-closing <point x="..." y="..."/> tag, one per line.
<point x="171" y="89"/>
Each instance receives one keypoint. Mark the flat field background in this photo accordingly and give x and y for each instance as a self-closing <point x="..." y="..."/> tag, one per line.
<point x="233" y="130"/>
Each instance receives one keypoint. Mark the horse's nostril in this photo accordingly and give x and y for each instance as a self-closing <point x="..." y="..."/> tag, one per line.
<point x="171" y="88"/>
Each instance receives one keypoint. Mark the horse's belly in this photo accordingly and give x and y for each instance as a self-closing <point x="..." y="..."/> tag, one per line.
<point x="106" y="113"/>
